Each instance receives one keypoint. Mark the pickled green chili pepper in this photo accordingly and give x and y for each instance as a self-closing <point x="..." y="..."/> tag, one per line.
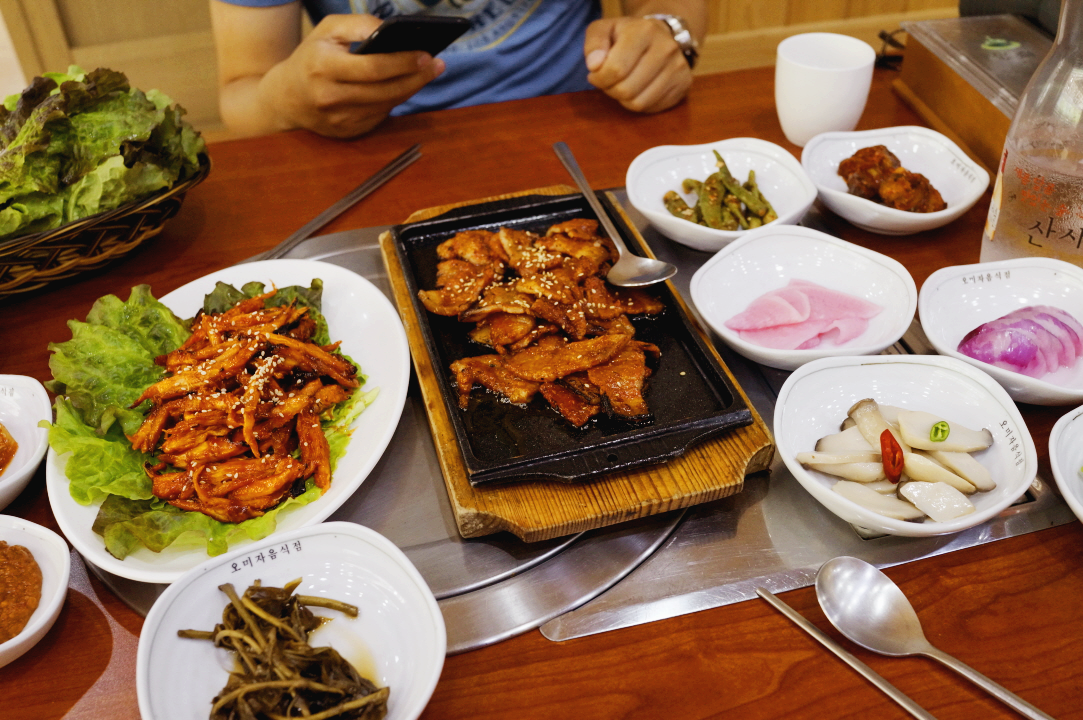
<point x="939" y="432"/>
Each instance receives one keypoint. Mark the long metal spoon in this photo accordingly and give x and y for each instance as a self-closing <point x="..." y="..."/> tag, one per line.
<point x="867" y="607"/>
<point x="629" y="270"/>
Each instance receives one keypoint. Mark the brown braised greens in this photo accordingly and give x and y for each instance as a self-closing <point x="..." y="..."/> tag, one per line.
<point x="280" y="675"/>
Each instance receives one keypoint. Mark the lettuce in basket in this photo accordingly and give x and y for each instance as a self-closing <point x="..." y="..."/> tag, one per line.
<point x="75" y="144"/>
<point x="102" y="370"/>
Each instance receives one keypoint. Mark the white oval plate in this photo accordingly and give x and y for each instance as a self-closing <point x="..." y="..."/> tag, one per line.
<point x="364" y="320"/>
<point x="960" y="180"/>
<point x="814" y="401"/>
<point x="398" y="639"/>
<point x="661" y="169"/>
<point x="957" y="299"/>
<point x="53" y="557"/>
<point x="23" y="404"/>
<point x="768" y="258"/>
<point x="1066" y="459"/>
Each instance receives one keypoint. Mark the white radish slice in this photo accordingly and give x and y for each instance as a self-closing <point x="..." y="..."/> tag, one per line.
<point x="939" y="501"/>
<point x="884" y="487"/>
<point x="885" y="505"/>
<point x="966" y="467"/>
<point x="867" y="417"/>
<point x="850" y="440"/>
<point x="920" y="467"/>
<point x="915" y="425"/>
<point x="822" y="458"/>
<point x="863" y="472"/>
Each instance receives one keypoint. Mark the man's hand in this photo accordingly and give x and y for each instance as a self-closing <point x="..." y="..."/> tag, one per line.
<point x="325" y="88"/>
<point x="637" y="62"/>
<point x="272" y="80"/>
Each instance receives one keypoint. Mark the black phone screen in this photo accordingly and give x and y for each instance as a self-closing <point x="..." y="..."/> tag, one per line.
<point x="428" y="33"/>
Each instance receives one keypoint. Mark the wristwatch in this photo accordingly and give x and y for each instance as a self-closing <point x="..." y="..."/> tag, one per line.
<point x="688" y="45"/>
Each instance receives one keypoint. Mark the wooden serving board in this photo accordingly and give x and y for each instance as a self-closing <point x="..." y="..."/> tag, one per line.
<point x="539" y="510"/>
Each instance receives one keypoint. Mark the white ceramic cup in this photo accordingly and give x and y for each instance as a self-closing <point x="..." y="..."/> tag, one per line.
<point x="821" y="84"/>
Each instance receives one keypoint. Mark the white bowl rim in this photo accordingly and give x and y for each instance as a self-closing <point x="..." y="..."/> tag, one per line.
<point x="48" y="608"/>
<point x="929" y="528"/>
<point x="359" y="532"/>
<point x="992" y="370"/>
<point x="780" y="154"/>
<point x="1060" y="476"/>
<point x="802" y="356"/>
<point x="891" y="212"/>
<point x="40" y="398"/>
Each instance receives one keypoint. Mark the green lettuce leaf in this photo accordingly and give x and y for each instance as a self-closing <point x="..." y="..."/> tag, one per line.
<point x="93" y="142"/>
<point x="99" y="465"/>
<point x="109" y="361"/>
<point x="125" y="525"/>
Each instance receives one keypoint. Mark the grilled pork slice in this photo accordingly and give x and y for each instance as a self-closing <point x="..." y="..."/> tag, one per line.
<point x="459" y="285"/>
<point x="621" y="380"/>
<point x="605" y="303"/>
<point x="490" y="372"/>
<point x="548" y="364"/>
<point x="477" y="247"/>
<point x="569" y="404"/>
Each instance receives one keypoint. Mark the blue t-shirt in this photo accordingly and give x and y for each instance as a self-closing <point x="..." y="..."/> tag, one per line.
<point x="514" y="48"/>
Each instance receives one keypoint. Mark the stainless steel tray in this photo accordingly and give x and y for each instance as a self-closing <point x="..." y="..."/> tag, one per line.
<point x="772" y="534"/>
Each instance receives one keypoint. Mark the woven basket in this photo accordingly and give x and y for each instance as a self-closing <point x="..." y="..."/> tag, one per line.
<point x="30" y="262"/>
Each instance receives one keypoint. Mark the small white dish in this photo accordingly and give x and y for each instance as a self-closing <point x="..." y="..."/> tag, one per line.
<point x="661" y="169"/>
<point x="53" y="557"/>
<point x="398" y="640"/>
<point x="770" y="257"/>
<point x="960" y="180"/>
<point x="1066" y="459"/>
<point x="955" y="300"/>
<point x="368" y="325"/>
<point x="815" y="399"/>
<point x="23" y="404"/>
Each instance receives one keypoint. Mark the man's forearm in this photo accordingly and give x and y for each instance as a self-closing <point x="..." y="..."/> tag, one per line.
<point x="694" y="12"/>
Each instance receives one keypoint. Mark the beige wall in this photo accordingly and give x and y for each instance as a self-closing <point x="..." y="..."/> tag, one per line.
<point x="167" y="44"/>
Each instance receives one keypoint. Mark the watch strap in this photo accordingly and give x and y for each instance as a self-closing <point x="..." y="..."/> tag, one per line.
<point x="682" y="35"/>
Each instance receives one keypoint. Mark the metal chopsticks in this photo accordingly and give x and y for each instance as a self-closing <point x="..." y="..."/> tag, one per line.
<point x="871" y="675"/>
<point x="385" y="173"/>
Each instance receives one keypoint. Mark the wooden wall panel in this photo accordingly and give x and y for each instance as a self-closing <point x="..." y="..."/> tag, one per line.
<point x="94" y="22"/>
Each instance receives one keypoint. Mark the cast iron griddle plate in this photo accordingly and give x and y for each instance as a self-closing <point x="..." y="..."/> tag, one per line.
<point x="688" y="393"/>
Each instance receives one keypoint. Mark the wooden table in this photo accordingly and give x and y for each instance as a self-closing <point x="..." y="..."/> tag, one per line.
<point x="1012" y="609"/>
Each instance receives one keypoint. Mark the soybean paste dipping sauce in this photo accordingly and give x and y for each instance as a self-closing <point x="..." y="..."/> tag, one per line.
<point x="20" y="589"/>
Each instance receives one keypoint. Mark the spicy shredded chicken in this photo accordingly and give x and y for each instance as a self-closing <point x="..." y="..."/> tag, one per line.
<point x="244" y="396"/>
<point x="556" y="327"/>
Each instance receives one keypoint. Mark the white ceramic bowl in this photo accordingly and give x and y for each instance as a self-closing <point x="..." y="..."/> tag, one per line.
<point x="23" y="404"/>
<point x="955" y="300"/>
<point x="53" y="557"/>
<point x="814" y="400"/>
<point x="768" y="258"/>
<point x="1066" y="459"/>
<point x="398" y="639"/>
<point x="960" y="180"/>
<point x="661" y="169"/>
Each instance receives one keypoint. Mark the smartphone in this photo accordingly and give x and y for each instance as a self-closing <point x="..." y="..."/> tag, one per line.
<point x="400" y="33"/>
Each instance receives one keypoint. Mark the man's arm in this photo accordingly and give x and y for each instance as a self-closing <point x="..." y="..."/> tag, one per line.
<point x="271" y="79"/>
<point x="636" y="61"/>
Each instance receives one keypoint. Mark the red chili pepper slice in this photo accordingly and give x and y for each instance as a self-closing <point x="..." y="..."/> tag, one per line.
<point x="892" y="456"/>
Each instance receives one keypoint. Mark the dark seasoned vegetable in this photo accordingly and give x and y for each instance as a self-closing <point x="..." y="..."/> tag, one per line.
<point x="722" y="202"/>
<point x="280" y="675"/>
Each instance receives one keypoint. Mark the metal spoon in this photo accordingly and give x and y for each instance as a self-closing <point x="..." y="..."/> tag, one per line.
<point x="867" y="607"/>
<point x="629" y="270"/>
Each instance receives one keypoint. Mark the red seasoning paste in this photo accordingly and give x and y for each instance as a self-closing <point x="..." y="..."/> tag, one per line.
<point x="20" y="589"/>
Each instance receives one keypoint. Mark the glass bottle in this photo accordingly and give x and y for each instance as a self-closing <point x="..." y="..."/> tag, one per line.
<point x="1037" y="206"/>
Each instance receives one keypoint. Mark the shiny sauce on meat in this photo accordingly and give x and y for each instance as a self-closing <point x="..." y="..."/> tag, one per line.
<point x="8" y="446"/>
<point x="20" y="589"/>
